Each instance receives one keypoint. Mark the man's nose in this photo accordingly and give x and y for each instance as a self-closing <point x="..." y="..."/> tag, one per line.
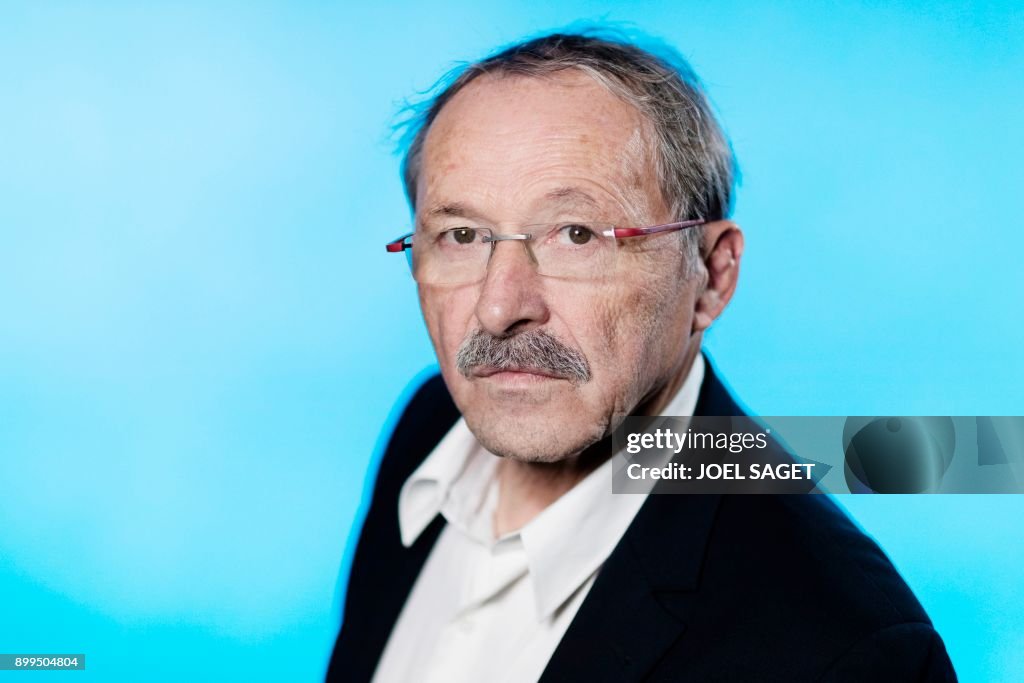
<point x="512" y="297"/>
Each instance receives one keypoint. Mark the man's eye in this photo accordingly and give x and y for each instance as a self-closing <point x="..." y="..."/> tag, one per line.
<point x="461" y="235"/>
<point x="577" y="234"/>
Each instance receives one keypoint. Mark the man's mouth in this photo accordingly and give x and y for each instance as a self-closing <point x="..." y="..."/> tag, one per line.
<point x="513" y="373"/>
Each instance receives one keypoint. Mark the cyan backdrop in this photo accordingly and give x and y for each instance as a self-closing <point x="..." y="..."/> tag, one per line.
<point x="201" y="336"/>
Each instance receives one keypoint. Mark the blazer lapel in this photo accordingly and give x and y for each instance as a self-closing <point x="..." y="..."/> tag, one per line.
<point x="714" y="399"/>
<point x="643" y="595"/>
<point x="639" y="603"/>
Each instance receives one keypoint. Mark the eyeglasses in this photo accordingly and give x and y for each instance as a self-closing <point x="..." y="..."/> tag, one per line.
<point x="460" y="255"/>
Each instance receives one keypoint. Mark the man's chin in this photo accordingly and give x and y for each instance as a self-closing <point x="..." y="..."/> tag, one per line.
<point x="530" y="442"/>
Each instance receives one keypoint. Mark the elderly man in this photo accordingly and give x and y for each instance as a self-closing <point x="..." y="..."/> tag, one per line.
<point x="571" y="246"/>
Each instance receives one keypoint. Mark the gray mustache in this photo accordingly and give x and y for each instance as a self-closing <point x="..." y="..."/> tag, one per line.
<point x="535" y="349"/>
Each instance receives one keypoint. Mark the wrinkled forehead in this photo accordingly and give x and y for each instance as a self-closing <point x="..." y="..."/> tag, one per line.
<point x="509" y="144"/>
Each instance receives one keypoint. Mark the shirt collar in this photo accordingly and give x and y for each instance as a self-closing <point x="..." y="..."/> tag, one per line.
<point x="427" y="488"/>
<point x="566" y="543"/>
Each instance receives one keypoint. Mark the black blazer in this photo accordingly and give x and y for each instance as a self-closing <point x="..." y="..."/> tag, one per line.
<point x="700" y="587"/>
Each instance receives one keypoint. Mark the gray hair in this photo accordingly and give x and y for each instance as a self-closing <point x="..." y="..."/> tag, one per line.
<point x="695" y="164"/>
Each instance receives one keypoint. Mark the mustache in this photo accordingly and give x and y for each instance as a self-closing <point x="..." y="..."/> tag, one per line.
<point x="533" y="350"/>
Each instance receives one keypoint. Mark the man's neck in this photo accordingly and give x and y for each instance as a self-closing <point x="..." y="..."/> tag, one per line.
<point x="525" y="489"/>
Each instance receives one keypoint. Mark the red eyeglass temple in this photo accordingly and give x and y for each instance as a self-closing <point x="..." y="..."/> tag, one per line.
<point x="667" y="227"/>
<point x="399" y="244"/>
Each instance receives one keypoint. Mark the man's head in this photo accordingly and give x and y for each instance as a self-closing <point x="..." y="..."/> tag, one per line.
<point x="570" y="130"/>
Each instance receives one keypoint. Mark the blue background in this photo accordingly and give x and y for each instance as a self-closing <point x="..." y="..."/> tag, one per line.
<point x="201" y="337"/>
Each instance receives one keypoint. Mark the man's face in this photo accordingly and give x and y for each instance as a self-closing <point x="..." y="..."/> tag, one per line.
<point x="513" y="151"/>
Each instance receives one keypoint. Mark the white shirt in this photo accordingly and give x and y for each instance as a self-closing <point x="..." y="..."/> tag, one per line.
<point x="494" y="609"/>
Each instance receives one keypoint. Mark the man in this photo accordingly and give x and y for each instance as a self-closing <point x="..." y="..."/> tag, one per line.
<point x="571" y="246"/>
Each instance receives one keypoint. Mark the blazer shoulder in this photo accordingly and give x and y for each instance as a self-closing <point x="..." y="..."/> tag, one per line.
<point x="791" y="582"/>
<point x="809" y="541"/>
<point x="424" y="421"/>
<point x="807" y="536"/>
<point x="902" y="652"/>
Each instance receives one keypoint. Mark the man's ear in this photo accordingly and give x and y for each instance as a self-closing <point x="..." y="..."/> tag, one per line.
<point x="721" y="251"/>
